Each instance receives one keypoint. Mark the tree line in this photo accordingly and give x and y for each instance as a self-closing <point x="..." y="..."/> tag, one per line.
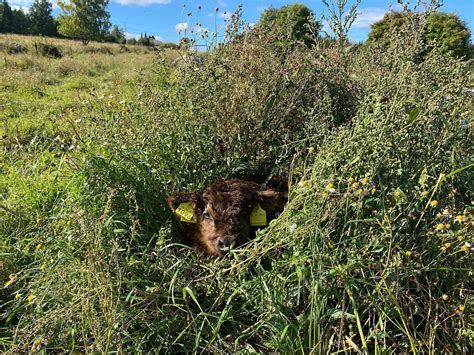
<point x="81" y="19"/>
<point x="38" y="21"/>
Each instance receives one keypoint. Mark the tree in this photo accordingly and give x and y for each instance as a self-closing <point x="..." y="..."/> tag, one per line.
<point x="20" y="22"/>
<point x="6" y="17"/>
<point x="117" y="34"/>
<point x="144" y="40"/>
<point x="42" y="21"/>
<point x="445" y="31"/>
<point x="296" y="21"/>
<point x="84" y="19"/>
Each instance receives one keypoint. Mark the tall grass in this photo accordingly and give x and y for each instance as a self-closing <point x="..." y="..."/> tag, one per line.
<point x="372" y="253"/>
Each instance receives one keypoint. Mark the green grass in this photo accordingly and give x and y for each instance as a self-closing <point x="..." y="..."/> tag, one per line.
<point x="91" y="258"/>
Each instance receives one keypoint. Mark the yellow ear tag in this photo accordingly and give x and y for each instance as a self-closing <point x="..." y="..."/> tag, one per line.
<point x="258" y="216"/>
<point x="185" y="212"/>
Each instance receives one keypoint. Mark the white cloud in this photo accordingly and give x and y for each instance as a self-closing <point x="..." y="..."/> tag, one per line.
<point x="22" y="8"/>
<point x="221" y="3"/>
<point x="199" y="29"/>
<point x="368" y="16"/>
<point x="142" y="2"/>
<point x="225" y="15"/>
<point x="181" y="27"/>
<point x="131" y="35"/>
<point x="21" y="3"/>
<point x="26" y="4"/>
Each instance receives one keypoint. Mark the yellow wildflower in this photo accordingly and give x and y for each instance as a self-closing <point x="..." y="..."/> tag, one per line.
<point x="365" y="181"/>
<point x="459" y="218"/>
<point x="397" y="194"/>
<point x="30" y="298"/>
<point x="434" y="203"/>
<point x="330" y="187"/>
<point x="461" y="308"/>
<point x="17" y="296"/>
<point x="373" y="190"/>
<point x="440" y="226"/>
<point x="466" y="247"/>
<point x="37" y="342"/>
<point x="303" y="183"/>
<point x="355" y="185"/>
<point x="445" y="246"/>
<point x="350" y="180"/>
<point x="38" y="247"/>
<point x="408" y="253"/>
<point x="425" y="193"/>
<point x="460" y="237"/>
<point x="11" y="280"/>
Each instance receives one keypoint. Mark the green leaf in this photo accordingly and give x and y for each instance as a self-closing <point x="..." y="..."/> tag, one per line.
<point x="187" y="291"/>
<point x="414" y="113"/>
<point x="423" y="177"/>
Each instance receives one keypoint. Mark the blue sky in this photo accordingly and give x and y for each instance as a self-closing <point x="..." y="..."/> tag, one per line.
<point x="162" y="18"/>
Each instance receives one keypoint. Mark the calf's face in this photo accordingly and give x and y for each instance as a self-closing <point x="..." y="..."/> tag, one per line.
<point x="225" y="214"/>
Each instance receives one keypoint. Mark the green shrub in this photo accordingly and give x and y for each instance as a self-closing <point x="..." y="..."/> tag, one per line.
<point x="48" y="50"/>
<point x="17" y="48"/>
<point x="293" y="23"/>
<point x="444" y="31"/>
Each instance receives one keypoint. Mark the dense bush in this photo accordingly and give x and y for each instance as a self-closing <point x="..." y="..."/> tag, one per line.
<point x="16" y="48"/>
<point x="447" y="32"/>
<point x="296" y="21"/>
<point x="48" y="50"/>
<point x="371" y="254"/>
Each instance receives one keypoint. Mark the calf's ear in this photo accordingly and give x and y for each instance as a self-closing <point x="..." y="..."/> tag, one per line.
<point x="272" y="201"/>
<point x="185" y="205"/>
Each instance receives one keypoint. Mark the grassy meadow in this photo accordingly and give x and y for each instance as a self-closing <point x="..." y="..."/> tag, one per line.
<point x="373" y="253"/>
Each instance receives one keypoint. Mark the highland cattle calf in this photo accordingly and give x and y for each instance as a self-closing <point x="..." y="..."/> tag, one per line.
<point x="227" y="213"/>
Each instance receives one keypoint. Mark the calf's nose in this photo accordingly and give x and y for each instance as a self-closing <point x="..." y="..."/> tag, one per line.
<point x="224" y="243"/>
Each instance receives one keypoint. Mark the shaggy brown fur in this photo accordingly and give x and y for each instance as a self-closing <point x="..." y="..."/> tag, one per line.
<point x="222" y="212"/>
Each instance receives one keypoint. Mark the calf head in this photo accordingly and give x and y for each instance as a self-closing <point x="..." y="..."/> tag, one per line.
<point x="226" y="213"/>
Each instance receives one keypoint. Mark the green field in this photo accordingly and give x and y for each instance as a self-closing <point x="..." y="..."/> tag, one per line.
<point x="372" y="253"/>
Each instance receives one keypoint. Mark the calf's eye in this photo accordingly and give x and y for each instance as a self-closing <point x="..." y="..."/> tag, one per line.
<point x="206" y="215"/>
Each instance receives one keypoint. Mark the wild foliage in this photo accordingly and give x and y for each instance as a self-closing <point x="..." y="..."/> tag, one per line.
<point x="86" y="20"/>
<point x="372" y="253"/>
<point x="446" y="32"/>
<point x="296" y="21"/>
